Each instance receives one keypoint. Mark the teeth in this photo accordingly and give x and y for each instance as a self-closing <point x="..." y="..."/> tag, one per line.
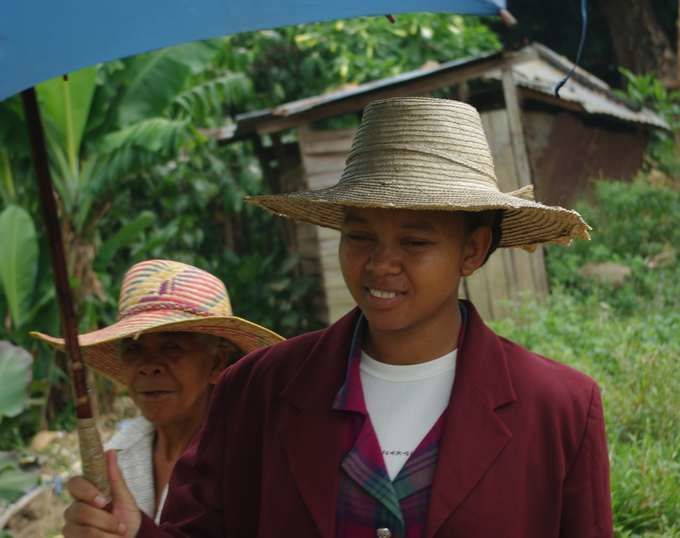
<point x="382" y="294"/>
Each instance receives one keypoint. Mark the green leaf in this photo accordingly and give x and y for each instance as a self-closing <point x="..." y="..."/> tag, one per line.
<point x="124" y="237"/>
<point x="18" y="260"/>
<point x="15" y="482"/>
<point x="66" y="106"/>
<point x="15" y="375"/>
<point x="158" y="77"/>
<point x="8" y="460"/>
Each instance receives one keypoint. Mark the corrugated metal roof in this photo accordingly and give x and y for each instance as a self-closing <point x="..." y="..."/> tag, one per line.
<point x="547" y="69"/>
<point x="303" y="105"/>
<point x="535" y="67"/>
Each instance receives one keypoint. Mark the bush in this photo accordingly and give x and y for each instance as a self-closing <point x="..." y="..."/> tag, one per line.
<point x="632" y="224"/>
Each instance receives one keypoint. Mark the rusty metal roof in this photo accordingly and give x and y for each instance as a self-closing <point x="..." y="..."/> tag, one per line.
<point x="536" y="68"/>
<point x="546" y="69"/>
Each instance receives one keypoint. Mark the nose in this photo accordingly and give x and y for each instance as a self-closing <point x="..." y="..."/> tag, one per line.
<point x="384" y="260"/>
<point x="150" y="368"/>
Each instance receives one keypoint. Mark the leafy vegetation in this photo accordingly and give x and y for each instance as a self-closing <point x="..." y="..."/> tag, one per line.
<point x="301" y="61"/>
<point x="647" y="90"/>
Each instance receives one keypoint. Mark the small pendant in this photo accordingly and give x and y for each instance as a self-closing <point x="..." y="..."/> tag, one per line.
<point x="383" y="533"/>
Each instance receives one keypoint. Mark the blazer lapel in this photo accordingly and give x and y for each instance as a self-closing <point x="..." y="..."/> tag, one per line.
<point x="311" y="431"/>
<point x="313" y="445"/>
<point x="474" y="435"/>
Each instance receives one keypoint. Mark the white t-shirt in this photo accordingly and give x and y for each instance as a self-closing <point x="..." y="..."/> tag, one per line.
<point x="404" y="402"/>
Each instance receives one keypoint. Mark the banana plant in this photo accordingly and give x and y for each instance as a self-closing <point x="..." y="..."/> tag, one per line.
<point x="18" y="263"/>
<point x="106" y="125"/>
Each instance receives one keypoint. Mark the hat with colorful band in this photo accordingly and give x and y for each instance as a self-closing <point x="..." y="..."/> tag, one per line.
<point x="167" y="296"/>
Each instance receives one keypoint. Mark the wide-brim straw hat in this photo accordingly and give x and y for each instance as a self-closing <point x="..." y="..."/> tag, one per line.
<point x="167" y="296"/>
<point x="424" y="153"/>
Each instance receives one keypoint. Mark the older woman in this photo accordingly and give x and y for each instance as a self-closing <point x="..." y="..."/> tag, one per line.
<point x="174" y="335"/>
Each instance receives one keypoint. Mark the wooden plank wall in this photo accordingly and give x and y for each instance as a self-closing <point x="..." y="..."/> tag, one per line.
<point x="323" y="159"/>
<point x="507" y="273"/>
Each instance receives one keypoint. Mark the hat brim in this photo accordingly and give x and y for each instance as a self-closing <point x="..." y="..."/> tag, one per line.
<point x="525" y="224"/>
<point x="101" y="351"/>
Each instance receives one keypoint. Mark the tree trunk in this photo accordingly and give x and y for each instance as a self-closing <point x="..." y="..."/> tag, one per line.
<point x="640" y="43"/>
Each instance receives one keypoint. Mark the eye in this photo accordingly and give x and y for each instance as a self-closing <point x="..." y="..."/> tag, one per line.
<point x="358" y="237"/>
<point x="170" y="347"/>
<point x="415" y="243"/>
<point x="130" y="350"/>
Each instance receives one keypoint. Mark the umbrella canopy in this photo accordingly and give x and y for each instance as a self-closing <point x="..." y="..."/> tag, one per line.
<point x="41" y="40"/>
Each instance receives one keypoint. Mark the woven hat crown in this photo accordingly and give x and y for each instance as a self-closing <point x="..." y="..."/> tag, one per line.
<point x="165" y="285"/>
<point x="421" y="140"/>
<point x="423" y="153"/>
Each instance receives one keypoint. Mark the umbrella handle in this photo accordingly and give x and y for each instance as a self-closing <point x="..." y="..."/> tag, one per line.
<point x="92" y="456"/>
<point x="91" y="451"/>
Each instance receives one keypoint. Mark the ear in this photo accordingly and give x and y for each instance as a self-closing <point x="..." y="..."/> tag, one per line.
<point x="476" y="246"/>
<point x="220" y="362"/>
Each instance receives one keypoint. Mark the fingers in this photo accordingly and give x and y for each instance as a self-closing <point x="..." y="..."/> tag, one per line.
<point x="83" y="520"/>
<point x="89" y="515"/>
<point x="121" y="494"/>
<point x="71" y="530"/>
<point x="115" y="476"/>
<point x="83" y="490"/>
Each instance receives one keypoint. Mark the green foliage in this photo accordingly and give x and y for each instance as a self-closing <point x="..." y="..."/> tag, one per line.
<point x="647" y="90"/>
<point x="14" y="481"/>
<point x="15" y="376"/>
<point x="634" y="360"/>
<point x="270" y="290"/>
<point x="153" y="80"/>
<point x="633" y="223"/>
<point x="19" y="260"/>
<point x="628" y="339"/>
<point x="301" y="61"/>
<point x="66" y="105"/>
<point x="205" y="102"/>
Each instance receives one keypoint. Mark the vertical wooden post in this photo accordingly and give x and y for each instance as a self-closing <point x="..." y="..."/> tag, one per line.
<point x="522" y="167"/>
<point x="519" y="148"/>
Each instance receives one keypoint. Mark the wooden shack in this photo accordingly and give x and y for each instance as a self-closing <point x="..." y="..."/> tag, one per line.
<point x="557" y="143"/>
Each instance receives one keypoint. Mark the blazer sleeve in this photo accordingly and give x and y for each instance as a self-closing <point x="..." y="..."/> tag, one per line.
<point x="586" y="504"/>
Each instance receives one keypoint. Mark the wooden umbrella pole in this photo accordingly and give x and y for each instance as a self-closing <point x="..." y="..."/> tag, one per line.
<point x="91" y="451"/>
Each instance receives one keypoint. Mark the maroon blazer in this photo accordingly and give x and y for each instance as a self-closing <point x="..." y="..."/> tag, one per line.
<point x="523" y="453"/>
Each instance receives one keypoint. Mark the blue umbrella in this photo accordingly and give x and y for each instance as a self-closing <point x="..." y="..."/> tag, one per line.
<point x="41" y="40"/>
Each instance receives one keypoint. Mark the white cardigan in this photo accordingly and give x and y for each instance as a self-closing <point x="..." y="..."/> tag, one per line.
<point x="134" y="443"/>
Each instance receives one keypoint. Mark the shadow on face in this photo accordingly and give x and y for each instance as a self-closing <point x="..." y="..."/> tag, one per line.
<point x="169" y="375"/>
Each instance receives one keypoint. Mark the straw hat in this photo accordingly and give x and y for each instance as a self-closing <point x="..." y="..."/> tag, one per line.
<point x="167" y="296"/>
<point x="427" y="154"/>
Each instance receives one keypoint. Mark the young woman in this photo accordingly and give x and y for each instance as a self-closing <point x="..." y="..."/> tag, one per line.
<point x="408" y="417"/>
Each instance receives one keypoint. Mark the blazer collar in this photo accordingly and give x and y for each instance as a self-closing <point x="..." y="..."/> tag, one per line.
<point x="311" y="432"/>
<point x="474" y="435"/>
<point x="472" y="439"/>
<point x="322" y="372"/>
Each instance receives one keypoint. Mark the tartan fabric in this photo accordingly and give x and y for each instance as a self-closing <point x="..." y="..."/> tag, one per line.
<point x="367" y="498"/>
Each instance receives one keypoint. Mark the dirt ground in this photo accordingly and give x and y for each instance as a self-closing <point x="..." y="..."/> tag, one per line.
<point x="58" y="455"/>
